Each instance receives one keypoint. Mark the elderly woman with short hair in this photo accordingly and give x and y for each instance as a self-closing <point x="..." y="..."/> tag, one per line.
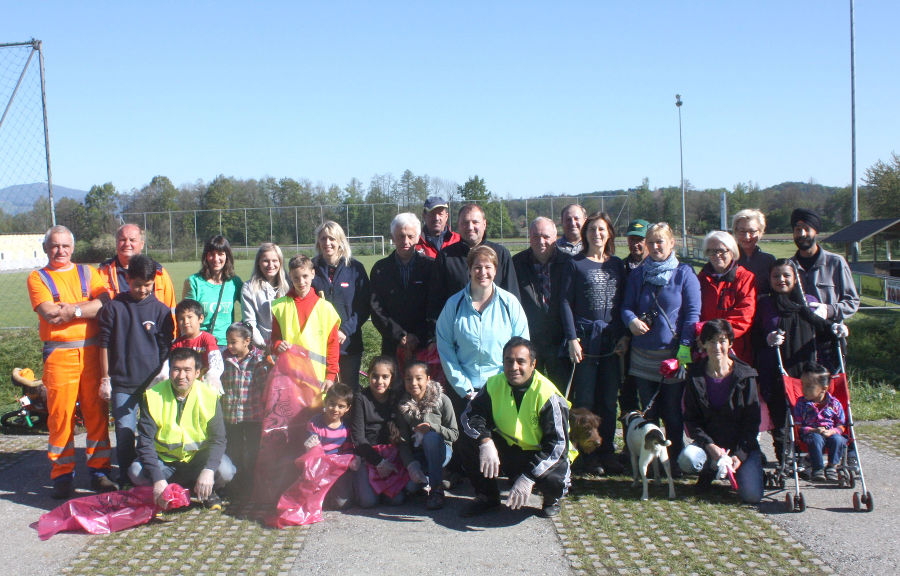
<point x="748" y="226"/>
<point x="728" y="290"/>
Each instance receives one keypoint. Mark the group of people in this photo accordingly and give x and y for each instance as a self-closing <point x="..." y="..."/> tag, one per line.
<point x="479" y="352"/>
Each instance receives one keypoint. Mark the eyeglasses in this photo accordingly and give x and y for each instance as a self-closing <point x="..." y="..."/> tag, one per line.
<point x="717" y="252"/>
<point x="746" y="232"/>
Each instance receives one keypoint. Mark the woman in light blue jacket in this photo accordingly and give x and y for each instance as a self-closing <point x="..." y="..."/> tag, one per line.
<point x="473" y="327"/>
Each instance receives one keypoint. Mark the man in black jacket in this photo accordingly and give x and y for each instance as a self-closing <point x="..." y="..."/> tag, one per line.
<point x="451" y="272"/>
<point x="539" y="274"/>
<point x="399" y="286"/>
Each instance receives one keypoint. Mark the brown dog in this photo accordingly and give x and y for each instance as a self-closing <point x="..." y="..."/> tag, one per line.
<point x="583" y="430"/>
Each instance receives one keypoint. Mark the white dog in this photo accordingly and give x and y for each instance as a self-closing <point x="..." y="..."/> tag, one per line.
<point x="646" y="443"/>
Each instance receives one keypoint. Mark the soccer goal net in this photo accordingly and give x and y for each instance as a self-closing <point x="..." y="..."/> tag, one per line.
<point x="367" y="244"/>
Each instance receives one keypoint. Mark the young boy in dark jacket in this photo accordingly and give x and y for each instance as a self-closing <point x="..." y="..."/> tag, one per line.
<point x="136" y="331"/>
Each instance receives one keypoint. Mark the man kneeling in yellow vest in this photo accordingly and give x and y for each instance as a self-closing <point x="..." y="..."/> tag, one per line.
<point x="181" y="434"/>
<point x="518" y="423"/>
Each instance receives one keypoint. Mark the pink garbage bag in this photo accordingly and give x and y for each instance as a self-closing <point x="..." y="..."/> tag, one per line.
<point x="393" y="484"/>
<point x="292" y="395"/>
<point x="110" y="511"/>
<point x="302" y="502"/>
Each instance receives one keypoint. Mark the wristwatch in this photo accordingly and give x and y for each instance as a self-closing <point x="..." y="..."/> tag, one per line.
<point x="78" y="313"/>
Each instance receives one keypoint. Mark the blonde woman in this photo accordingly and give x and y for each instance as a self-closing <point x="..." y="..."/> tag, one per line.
<point x="267" y="283"/>
<point x="749" y="225"/>
<point x="345" y="284"/>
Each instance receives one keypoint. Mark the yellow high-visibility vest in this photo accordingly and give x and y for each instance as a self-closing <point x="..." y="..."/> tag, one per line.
<point x="314" y="336"/>
<point x="179" y="440"/>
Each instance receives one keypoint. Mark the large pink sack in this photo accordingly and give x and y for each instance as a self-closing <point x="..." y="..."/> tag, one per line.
<point x="292" y="395"/>
<point x="393" y="484"/>
<point x="110" y="511"/>
<point x="302" y="502"/>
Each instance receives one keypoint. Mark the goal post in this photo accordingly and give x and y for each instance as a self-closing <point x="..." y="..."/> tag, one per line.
<point x="374" y="243"/>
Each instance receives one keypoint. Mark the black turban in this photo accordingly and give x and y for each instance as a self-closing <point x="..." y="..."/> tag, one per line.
<point x="811" y="218"/>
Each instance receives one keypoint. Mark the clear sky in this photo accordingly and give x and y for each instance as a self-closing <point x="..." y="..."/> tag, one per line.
<point x="535" y="97"/>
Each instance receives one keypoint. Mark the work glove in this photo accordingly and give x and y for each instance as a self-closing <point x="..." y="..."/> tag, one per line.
<point x="684" y="355"/>
<point x="775" y="338"/>
<point x="488" y="459"/>
<point x="105" y="389"/>
<point x="840" y="330"/>
<point x="519" y="493"/>
<point x="415" y="472"/>
<point x="312" y="442"/>
<point x="385" y="468"/>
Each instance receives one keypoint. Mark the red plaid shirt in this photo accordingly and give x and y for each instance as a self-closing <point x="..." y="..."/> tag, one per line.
<point x="244" y="381"/>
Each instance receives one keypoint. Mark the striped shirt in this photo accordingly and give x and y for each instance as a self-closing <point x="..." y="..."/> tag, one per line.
<point x="331" y="439"/>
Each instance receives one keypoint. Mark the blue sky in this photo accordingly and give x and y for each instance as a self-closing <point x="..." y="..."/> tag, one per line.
<point x="534" y="97"/>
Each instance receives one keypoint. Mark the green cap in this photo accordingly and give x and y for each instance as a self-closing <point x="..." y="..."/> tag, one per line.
<point x="637" y="228"/>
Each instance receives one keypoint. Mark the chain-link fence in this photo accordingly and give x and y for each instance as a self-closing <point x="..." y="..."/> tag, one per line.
<point x="25" y="206"/>
<point x="180" y="235"/>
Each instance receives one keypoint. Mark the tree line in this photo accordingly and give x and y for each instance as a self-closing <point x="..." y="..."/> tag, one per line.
<point x="292" y="208"/>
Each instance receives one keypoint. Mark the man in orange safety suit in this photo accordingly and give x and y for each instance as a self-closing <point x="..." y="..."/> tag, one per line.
<point x="130" y="242"/>
<point x="67" y="298"/>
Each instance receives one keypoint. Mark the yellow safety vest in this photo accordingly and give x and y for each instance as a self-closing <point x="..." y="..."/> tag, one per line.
<point x="314" y="336"/>
<point x="179" y="440"/>
<point x="522" y="426"/>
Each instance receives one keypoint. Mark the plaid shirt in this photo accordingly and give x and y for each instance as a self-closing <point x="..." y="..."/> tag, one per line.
<point x="810" y="416"/>
<point x="244" y="382"/>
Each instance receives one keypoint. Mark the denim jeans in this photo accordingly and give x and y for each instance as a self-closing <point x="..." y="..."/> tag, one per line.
<point x="183" y="473"/>
<point x="124" y="408"/>
<point x="668" y="406"/>
<point x="433" y="454"/>
<point x="596" y="385"/>
<point x="834" y="445"/>
<point x="749" y="476"/>
<point x="365" y="495"/>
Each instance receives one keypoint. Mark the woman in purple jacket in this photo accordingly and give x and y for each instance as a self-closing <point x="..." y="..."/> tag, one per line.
<point x="661" y="309"/>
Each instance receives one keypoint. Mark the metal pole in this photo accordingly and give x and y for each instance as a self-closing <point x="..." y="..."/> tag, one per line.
<point x="220" y="222"/>
<point x="854" y="216"/>
<point x="246" y="237"/>
<point x="681" y="162"/>
<point x="501" y="218"/>
<point x="271" y="233"/>
<point x="373" y="220"/>
<point x="723" y="211"/>
<point x="296" y="229"/>
<point x="347" y="216"/>
<point x="196" y="255"/>
<point x="37" y="46"/>
<point x="171" y="240"/>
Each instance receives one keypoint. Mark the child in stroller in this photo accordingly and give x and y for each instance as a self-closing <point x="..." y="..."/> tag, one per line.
<point x="821" y="419"/>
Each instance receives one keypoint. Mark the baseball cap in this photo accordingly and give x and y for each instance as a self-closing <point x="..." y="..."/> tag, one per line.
<point x="637" y="228"/>
<point x="435" y="202"/>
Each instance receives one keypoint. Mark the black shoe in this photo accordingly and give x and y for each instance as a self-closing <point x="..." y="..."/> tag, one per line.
<point x="704" y="482"/>
<point x="611" y="464"/>
<point x="62" y="489"/>
<point x="550" y="508"/>
<point x="435" y="500"/>
<point x="102" y="483"/>
<point x="479" y="506"/>
<point x="452" y="479"/>
<point x="213" y="502"/>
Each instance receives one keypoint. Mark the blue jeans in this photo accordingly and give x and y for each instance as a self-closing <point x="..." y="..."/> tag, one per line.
<point x="433" y="454"/>
<point x="365" y="495"/>
<point x="124" y="408"/>
<point x="668" y="406"/>
<point x="817" y="444"/>
<point x="596" y="385"/>
<point x="184" y="473"/>
<point x="749" y="476"/>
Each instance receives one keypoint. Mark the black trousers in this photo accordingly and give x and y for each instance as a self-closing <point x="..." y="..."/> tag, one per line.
<point x="513" y="462"/>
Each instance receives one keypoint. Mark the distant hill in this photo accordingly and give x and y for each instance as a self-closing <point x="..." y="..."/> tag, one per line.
<point x="20" y="198"/>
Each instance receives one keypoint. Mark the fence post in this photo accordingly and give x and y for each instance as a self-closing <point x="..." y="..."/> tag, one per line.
<point x="347" y="216"/>
<point x="195" y="235"/>
<point x="220" y="222"/>
<point x="501" y="218"/>
<point x="171" y="242"/>
<point x="526" y="212"/>
<point x="296" y="229"/>
<point x="271" y="233"/>
<point x="246" y="237"/>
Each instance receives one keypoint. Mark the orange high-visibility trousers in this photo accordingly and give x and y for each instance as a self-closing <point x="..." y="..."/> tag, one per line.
<point x="70" y="375"/>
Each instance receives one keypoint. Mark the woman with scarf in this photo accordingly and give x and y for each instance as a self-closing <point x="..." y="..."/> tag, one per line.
<point x="661" y="309"/>
<point x="728" y="290"/>
<point x="785" y="321"/>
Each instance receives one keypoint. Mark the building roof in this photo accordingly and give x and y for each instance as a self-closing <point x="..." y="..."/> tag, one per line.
<point x="859" y="231"/>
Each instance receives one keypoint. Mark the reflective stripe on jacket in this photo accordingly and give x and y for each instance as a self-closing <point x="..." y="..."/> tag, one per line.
<point x="314" y="335"/>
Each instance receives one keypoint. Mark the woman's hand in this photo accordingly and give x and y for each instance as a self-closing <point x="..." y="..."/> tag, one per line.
<point x="282" y="347"/>
<point x="735" y="463"/>
<point x="341" y="337"/>
<point x="423" y="428"/>
<point x="775" y="338"/>
<point x="637" y="327"/>
<point x="575" y="353"/>
<point x="715" y="452"/>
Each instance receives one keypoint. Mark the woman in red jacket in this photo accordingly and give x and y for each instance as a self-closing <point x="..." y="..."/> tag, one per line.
<point x="728" y="290"/>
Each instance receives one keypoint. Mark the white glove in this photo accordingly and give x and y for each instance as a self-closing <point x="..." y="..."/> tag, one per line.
<point x="105" y="389"/>
<point x="312" y="442"/>
<point x="415" y="472"/>
<point x="385" y="468"/>
<point x="775" y="338"/>
<point x="819" y="309"/>
<point x="519" y="493"/>
<point x="723" y="465"/>
<point x="488" y="459"/>
<point x="215" y="383"/>
<point x="840" y="330"/>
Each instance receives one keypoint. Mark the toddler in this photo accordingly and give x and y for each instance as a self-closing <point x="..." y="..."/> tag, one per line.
<point x="821" y="420"/>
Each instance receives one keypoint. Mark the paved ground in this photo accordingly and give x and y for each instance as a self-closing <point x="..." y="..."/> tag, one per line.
<point x="405" y="538"/>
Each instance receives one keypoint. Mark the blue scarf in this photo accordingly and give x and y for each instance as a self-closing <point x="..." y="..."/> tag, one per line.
<point x="659" y="273"/>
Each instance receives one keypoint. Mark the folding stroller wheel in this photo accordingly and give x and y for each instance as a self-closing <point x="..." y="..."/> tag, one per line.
<point x="789" y="501"/>
<point x="852" y="482"/>
<point x="800" y="503"/>
<point x="863" y="500"/>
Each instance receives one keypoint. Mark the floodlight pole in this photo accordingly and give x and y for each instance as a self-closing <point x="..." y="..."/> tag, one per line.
<point x="678" y="104"/>
<point x="36" y="44"/>
<point x="854" y="209"/>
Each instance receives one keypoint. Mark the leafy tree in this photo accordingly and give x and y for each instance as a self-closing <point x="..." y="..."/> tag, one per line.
<point x="475" y="191"/>
<point x="882" y="197"/>
<point x="101" y="205"/>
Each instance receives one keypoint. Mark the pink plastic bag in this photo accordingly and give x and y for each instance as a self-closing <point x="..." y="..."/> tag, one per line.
<point x="292" y="395"/>
<point x="302" y="502"/>
<point x="393" y="484"/>
<point x="110" y="511"/>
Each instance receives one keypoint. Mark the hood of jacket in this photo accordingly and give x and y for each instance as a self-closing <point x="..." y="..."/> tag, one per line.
<point x="417" y="409"/>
